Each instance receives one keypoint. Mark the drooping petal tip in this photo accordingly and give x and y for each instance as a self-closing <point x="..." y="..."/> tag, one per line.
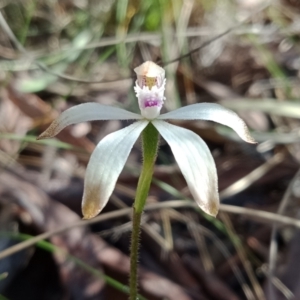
<point x="90" y="206"/>
<point x="50" y="132"/>
<point x="212" y="209"/>
<point x="246" y="136"/>
<point x="210" y="202"/>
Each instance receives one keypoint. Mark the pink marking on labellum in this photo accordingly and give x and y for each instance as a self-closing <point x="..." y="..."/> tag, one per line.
<point x="151" y="103"/>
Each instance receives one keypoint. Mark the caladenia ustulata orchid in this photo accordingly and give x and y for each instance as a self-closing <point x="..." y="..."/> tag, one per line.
<point x="109" y="157"/>
<point x="191" y="153"/>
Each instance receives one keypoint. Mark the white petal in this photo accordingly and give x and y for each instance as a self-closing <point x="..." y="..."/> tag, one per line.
<point x="87" y="112"/>
<point x="211" y="112"/>
<point x="105" y="166"/>
<point x="195" y="162"/>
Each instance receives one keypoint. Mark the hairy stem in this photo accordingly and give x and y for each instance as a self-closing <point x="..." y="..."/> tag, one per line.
<point x="150" y="145"/>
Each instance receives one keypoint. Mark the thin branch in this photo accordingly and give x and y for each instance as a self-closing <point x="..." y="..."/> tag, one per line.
<point x="248" y="212"/>
<point x="253" y="176"/>
<point x="273" y="245"/>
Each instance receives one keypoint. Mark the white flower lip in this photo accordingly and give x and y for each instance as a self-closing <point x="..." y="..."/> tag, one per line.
<point x="150" y="100"/>
<point x="190" y="151"/>
<point x="150" y="88"/>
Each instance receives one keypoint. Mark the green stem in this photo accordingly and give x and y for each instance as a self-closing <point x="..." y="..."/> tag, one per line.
<point x="150" y="139"/>
<point x="134" y="249"/>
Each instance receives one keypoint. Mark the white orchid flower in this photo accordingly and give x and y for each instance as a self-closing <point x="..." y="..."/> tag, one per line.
<point x="190" y="151"/>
